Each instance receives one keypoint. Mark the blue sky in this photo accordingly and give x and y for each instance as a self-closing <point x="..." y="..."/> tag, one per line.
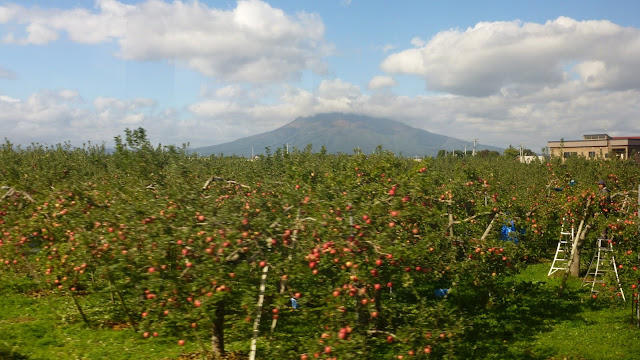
<point x="208" y="72"/>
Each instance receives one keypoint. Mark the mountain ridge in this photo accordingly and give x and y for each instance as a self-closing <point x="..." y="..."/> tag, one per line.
<point x="342" y="133"/>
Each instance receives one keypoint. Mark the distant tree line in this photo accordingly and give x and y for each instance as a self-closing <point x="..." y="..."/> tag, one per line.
<point x="510" y="152"/>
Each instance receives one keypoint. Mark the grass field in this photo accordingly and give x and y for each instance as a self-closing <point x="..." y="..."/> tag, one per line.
<point x="33" y="327"/>
<point x="538" y="324"/>
<point x="572" y="326"/>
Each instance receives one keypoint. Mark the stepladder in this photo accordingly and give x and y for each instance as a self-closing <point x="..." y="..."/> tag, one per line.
<point x="563" y="251"/>
<point x="603" y="269"/>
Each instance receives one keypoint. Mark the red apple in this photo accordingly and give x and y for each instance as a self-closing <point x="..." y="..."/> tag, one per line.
<point x="389" y="339"/>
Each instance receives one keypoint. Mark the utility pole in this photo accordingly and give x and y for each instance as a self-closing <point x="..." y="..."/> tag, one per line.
<point x="521" y="153"/>
<point x="475" y="141"/>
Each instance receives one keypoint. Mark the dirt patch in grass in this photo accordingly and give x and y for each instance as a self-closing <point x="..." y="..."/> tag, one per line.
<point x="18" y="320"/>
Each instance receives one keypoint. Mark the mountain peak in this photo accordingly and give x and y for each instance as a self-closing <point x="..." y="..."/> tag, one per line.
<point x="342" y="133"/>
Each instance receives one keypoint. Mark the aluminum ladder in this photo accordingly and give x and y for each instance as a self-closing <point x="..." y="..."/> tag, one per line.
<point x="563" y="252"/>
<point x="601" y="264"/>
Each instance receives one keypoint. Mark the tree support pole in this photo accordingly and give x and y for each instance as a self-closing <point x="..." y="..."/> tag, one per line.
<point x="256" y="322"/>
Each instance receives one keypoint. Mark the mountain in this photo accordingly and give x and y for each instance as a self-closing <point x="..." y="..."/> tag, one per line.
<point x="342" y="133"/>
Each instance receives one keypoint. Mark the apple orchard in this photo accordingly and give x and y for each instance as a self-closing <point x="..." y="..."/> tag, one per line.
<point x="299" y="255"/>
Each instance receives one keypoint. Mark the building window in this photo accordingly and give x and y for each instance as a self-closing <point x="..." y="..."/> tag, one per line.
<point x="595" y="137"/>
<point x="606" y="156"/>
<point x="592" y="154"/>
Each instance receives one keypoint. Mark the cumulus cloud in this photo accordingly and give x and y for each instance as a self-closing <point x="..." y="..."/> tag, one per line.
<point x="69" y="95"/>
<point x="39" y="34"/>
<point x="102" y="103"/>
<point x="530" y="117"/>
<point x="338" y="89"/>
<point x="233" y="118"/>
<point x="230" y="91"/>
<point x="254" y="42"/>
<point x="39" y="116"/>
<point x="378" y="82"/>
<point x="417" y="42"/>
<point x="8" y="12"/>
<point x="8" y="99"/>
<point x="483" y="59"/>
<point x="213" y="108"/>
<point x="57" y="116"/>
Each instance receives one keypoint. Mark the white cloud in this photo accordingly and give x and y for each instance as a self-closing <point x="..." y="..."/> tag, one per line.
<point x="230" y="91"/>
<point x="388" y="47"/>
<point x="44" y="25"/>
<point x="8" y="12"/>
<point x="8" y="99"/>
<point x="212" y="108"/>
<point x="57" y="116"/>
<point x="102" y="103"/>
<point x="232" y="118"/>
<point x="337" y="89"/>
<point x="530" y="117"/>
<point x="378" y="82"/>
<point x="254" y="42"/>
<point x="417" y="42"/>
<point x="40" y="34"/>
<point x="489" y="56"/>
<point x="132" y="119"/>
<point x="596" y="74"/>
<point x="70" y="95"/>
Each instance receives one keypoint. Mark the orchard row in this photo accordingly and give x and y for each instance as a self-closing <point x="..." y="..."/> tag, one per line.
<point x="299" y="255"/>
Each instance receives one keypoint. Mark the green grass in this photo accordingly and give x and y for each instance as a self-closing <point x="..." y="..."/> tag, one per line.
<point x="595" y="334"/>
<point x="48" y="328"/>
<point x="533" y="322"/>
<point x="587" y="329"/>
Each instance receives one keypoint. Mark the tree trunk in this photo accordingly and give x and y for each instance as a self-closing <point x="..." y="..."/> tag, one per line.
<point x="84" y="317"/>
<point x="217" y="337"/>
<point x="574" y="263"/>
<point x="574" y="260"/>
<point x="574" y="270"/>
<point x="122" y="303"/>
